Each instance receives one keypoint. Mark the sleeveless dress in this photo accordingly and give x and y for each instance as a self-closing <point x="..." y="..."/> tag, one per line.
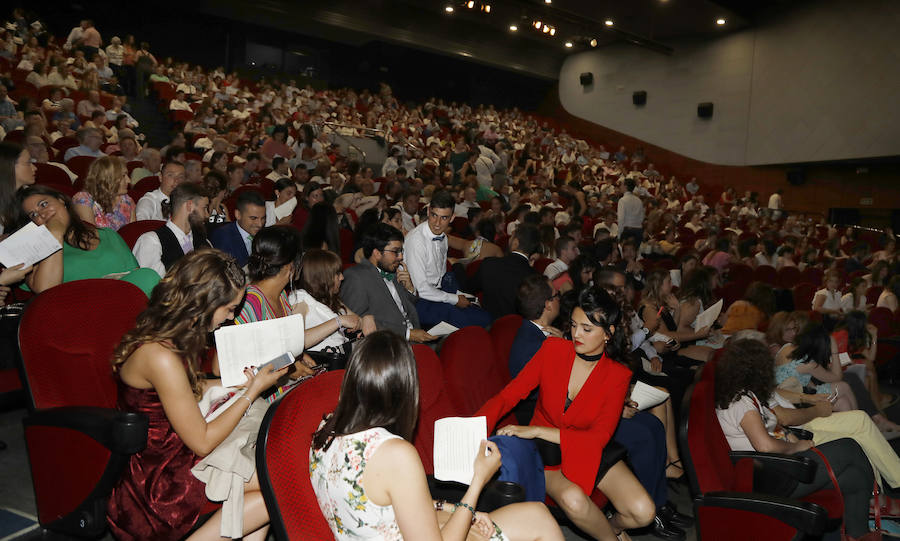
<point x="157" y="497"/>
<point x="789" y="370"/>
<point x="335" y="475"/>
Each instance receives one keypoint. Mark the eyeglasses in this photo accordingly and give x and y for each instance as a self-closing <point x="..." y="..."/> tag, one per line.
<point x="397" y="251"/>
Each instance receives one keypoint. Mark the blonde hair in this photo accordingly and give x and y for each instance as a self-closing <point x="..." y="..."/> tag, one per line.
<point x="104" y="177"/>
<point x="181" y="309"/>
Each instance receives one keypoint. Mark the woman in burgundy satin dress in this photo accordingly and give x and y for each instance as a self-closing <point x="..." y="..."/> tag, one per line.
<point x="156" y="365"/>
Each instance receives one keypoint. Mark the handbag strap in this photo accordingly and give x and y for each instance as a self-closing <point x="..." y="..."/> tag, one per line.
<point x="834" y="481"/>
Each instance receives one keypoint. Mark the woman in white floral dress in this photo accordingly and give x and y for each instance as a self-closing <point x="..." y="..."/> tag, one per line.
<point x="369" y="479"/>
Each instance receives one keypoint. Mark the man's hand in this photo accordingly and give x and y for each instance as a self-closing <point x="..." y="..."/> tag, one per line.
<point x="368" y="325"/>
<point x="462" y="302"/>
<point x="419" y="335"/>
<point x="404" y="279"/>
<point x="630" y="409"/>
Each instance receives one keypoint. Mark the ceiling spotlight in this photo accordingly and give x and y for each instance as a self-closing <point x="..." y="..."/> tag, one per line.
<point x="487" y="8"/>
<point x="569" y="44"/>
<point x="548" y="1"/>
<point x="537" y="24"/>
<point x="449" y="9"/>
<point x="608" y="22"/>
<point x="720" y="21"/>
<point x="552" y="31"/>
<point x="513" y="28"/>
<point x="545" y="29"/>
<point x="593" y="42"/>
<point x="470" y="4"/>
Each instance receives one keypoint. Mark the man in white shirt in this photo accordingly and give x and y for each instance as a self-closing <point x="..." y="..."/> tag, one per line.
<point x="409" y="211"/>
<point x="426" y="259"/>
<point x="484" y="170"/>
<point x="160" y="249"/>
<point x="149" y="207"/>
<point x="566" y="252"/>
<point x="468" y="202"/>
<point x="776" y="204"/>
<point x="178" y="103"/>
<point x="630" y="215"/>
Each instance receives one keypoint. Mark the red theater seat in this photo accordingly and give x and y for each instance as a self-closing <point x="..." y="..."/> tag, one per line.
<point x="471" y="372"/>
<point x="131" y="232"/>
<point x="503" y="333"/>
<point x="434" y="403"/>
<point x="282" y="457"/>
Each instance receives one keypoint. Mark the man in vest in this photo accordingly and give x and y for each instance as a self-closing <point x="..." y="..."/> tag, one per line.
<point x="182" y="233"/>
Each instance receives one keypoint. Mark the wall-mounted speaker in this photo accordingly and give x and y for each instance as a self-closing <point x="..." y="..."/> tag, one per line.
<point x="639" y="98"/>
<point x="586" y="78"/>
<point x="705" y="109"/>
<point x="796" y="177"/>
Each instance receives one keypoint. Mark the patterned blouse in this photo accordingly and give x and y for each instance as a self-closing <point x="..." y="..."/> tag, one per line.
<point x="335" y="475"/>
<point x="258" y="308"/>
<point x="121" y="213"/>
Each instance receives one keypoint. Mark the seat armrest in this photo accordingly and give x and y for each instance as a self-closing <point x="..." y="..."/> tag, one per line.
<point x="122" y="432"/>
<point x="806" y="517"/>
<point x="801" y="468"/>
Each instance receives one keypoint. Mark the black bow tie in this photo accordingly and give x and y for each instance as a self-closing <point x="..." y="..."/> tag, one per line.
<point x="439" y="238"/>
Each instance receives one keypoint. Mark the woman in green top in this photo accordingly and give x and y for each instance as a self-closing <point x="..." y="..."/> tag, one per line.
<point x="88" y="251"/>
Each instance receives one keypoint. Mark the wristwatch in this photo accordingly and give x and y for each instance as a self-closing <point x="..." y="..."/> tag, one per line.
<point x="646" y="330"/>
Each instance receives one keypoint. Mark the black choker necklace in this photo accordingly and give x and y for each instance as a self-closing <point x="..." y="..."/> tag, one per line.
<point x="590" y="358"/>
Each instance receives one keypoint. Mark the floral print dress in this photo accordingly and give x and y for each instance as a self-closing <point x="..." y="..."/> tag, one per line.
<point x="335" y="475"/>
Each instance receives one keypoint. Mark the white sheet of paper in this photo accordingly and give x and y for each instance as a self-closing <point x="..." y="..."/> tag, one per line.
<point x="708" y="316"/>
<point x="254" y="344"/>
<point x="442" y="329"/>
<point x="29" y="245"/>
<point x="286" y="208"/>
<point x="648" y="368"/>
<point x="845" y="359"/>
<point x="456" y="442"/>
<point x="647" y="396"/>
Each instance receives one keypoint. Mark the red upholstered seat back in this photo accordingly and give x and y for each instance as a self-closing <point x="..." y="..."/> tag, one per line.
<point x="79" y="164"/>
<point x="765" y="273"/>
<point x="67" y="336"/>
<point x="471" y="371"/>
<point x="803" y="294"/>
<point x="709" y="461"/>
<point x="434" y="403"/>
<point x="282" y="457"/>
<point x="787" y="277"/>
<point x="503" y="333"/>
<point x="883" y="320"/>
<point x="146" y="184"/>
<point x="131" y="232"/>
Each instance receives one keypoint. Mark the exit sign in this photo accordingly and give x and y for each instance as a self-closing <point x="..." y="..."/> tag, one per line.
<point x="866" y="201"/>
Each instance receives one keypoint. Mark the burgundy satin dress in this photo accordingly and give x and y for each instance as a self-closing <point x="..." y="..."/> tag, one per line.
<point x="157" y="497"/>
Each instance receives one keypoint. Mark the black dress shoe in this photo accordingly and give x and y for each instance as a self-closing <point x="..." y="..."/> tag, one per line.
<point x="671" y="515"/>
<point x="665" y="530"/>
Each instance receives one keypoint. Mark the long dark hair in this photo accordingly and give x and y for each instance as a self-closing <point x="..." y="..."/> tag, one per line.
<point x="273" y="248"/>
<point x="605" y="311"/>
<point x="79" y="234"/>
<point x="746" y="366"/>
<point x="813" y="344"/>
<point x="380" y="389"/>
<point x="858" y="337"/>
<point x="12" y="215"/>
<point x="583" y="261"/>
<point x="322" y="228"/>
<point x="697" y="284"/>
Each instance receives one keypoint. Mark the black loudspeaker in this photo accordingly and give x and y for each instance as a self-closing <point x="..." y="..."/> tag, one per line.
<point x="796" y="177"/>
<point x="587" y="78"/>
<point x="705" y="109"/>
<point x="639" y="97"/>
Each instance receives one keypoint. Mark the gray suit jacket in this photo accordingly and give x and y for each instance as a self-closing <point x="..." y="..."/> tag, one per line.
<point x="365" y="292"/>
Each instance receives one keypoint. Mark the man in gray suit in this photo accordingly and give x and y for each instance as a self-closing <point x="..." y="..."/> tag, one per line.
<point x="379" y="286"/>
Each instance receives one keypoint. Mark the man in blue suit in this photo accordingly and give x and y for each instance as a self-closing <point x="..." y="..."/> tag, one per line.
<point x="236" y="238"/>
<point x="538" y="304"/>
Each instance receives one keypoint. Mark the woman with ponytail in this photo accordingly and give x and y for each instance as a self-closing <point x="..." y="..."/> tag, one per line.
<point x="582" y="384"/>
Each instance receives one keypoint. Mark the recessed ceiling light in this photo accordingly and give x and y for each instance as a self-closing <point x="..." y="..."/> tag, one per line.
<point x="720" y="21"/>
<point x="470" y="4"/>
<point x="552" y="31"/>
<point x="593" y="43"/>
<point x="487" y="8"/>
<point x="608" y="22"/>
<point x="569" y="44"/>
<point x="513" y="28"/>
<point x="449" y="9"/>
<point x="545" y="29"/>
<point x="548" y="1"/>
<point x="537" y="24"/>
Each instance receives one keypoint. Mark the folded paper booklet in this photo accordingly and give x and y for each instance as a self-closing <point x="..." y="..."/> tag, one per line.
<point x="646" y="396"/>
<point x="456" y="442"/>
<point x="255" y="344"/>
<point x="442" y="329"/>
<point x="708" y="316"/>
<point x="29" y="245"/>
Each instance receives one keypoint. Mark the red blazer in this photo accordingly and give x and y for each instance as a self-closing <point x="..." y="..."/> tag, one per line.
<point x="588" y="424"/>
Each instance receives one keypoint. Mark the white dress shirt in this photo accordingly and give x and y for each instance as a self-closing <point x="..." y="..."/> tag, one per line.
<point x="148" y="250"/>
<point x="484" y="170"/>
<point x="556" y="268"/>
<point x="247" y="238"/>
<point x="149" y="207"/>
<point x="426" y="260"/>
<point x="630" y="212"/>
<point x="462" y="209"/>
<point x="410" y="221"/>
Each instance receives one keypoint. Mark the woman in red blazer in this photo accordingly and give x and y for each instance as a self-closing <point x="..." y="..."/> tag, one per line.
<point x="582" y="393"/>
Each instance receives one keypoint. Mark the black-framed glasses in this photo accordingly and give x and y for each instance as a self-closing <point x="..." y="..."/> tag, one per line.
<point x="397" y="251"/>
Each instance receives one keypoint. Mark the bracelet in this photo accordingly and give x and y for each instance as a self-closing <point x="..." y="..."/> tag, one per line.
<point x="467" y="506"/>
<point x="340" y="327"/>
<point x="247" y="399"/>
